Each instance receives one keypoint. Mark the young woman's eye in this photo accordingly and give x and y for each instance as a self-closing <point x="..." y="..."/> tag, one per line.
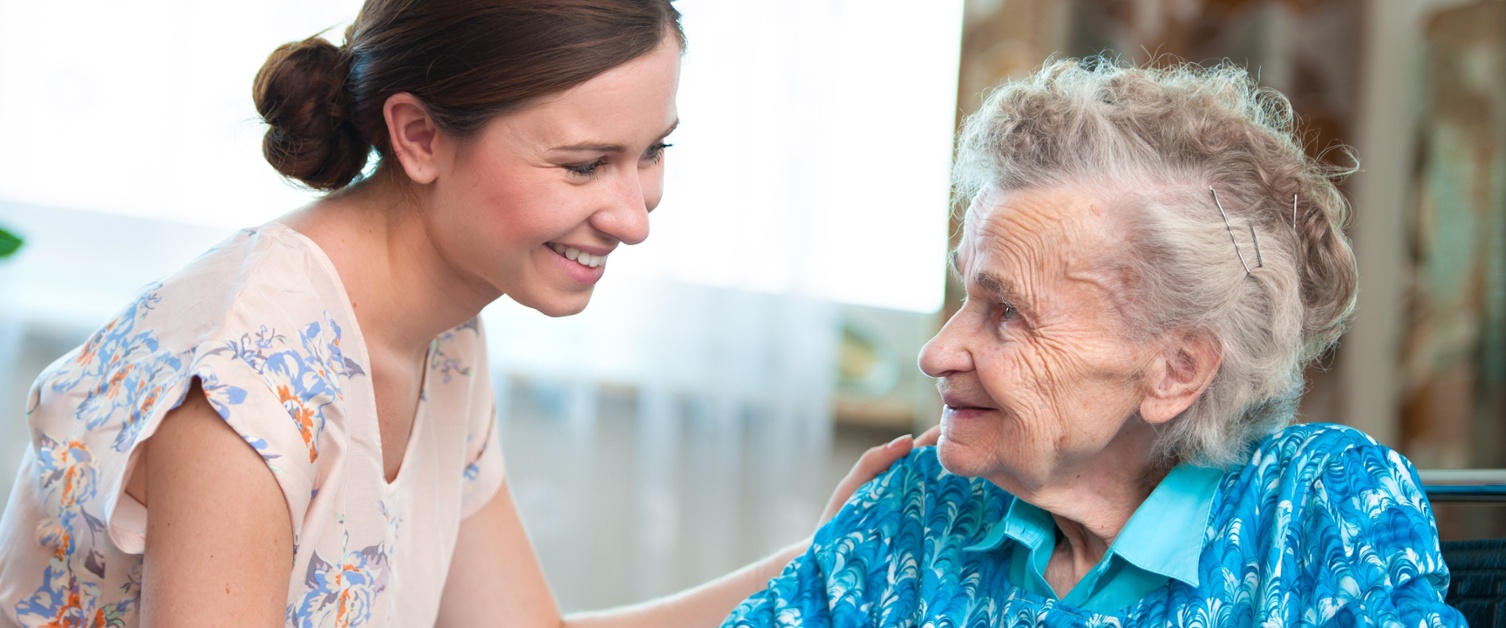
<point x="587" y="169"/>
<point x="655" y="153"/>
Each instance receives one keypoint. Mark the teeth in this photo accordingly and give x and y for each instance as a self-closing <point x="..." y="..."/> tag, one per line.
<point x="579" y="257"/>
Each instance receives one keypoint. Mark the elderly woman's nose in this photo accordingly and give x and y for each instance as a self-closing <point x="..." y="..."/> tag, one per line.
<point x="945" y="354"/>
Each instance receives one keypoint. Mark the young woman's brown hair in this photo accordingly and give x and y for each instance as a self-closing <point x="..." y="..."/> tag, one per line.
<point x="467" y="60"/>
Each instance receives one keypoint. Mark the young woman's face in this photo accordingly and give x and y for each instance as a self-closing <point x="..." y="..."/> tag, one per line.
<point x="534" y="204"/>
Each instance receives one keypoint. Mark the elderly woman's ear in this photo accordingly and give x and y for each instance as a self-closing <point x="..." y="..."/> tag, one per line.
<point x="1177" y="375"/>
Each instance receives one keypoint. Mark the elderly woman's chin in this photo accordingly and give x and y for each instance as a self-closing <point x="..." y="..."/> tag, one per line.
<point x="963" y="450"/>
<point x="1019" y="454"/>
<point x="955" y="459"/>
<point x="980" y="444"/>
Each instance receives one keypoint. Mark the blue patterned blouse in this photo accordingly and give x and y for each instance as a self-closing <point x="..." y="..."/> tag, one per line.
<point x="1323" y="526"/>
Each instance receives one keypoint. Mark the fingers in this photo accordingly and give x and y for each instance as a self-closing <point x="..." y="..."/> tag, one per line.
<point x="929" y="437"/>
<point x="877" y="459"/>
<point x="873" y="462"/>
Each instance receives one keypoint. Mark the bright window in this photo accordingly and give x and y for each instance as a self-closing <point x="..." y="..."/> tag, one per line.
<point x="812" y="158"/>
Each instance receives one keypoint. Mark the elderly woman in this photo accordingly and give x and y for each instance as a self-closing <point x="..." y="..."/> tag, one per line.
<point x="1150" y="260"/>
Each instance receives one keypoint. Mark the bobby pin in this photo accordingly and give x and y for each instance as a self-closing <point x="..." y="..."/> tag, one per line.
<point x="1294" y="211"/>
<point x="1259" y="263"/>
<point x="1230" y="228"/>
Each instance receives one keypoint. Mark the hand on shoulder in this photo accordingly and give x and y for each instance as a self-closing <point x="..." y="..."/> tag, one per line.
<point x="876" y="460"/>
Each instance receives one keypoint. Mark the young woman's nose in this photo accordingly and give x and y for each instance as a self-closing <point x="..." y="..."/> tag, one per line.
<point x="625" y="216"/>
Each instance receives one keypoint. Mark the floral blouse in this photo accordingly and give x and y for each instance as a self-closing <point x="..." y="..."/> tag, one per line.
<point x="1322" y="527"/>
<point x="265" y="325"/>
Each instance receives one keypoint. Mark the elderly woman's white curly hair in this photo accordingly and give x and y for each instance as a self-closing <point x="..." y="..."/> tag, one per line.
<point x="1149" y="143"/>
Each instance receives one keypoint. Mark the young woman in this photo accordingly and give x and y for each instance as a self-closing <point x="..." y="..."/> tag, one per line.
<point x="280" y="433"/>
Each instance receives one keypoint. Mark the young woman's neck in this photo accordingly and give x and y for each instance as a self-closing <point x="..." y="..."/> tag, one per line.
<point x="403" y="291"/>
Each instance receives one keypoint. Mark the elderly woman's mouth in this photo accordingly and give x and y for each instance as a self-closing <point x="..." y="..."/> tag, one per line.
<point x="963" y="409"/>
<point x="961" y="401"/>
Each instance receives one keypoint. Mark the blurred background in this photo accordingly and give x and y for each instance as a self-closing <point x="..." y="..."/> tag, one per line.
<point x="729" y="371"/>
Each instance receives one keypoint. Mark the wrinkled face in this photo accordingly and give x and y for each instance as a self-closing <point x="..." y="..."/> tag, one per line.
<point x="1039" y="379"/>
<point x="533" y="206"/>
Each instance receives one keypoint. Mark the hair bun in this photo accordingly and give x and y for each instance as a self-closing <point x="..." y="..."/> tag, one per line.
<point x="300" y="94"/>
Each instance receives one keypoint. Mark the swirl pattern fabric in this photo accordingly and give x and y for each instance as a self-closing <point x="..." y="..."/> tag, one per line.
<point x="1322" y="526"/>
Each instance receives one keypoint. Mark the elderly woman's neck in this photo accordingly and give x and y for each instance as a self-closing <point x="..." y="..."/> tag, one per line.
<point x="1091" y="509"/>
<point x="1093" y="512"/>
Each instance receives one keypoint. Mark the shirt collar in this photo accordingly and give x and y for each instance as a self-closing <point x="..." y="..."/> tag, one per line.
<point x="1164" y="535"/>
<point x="1023" y="523"/>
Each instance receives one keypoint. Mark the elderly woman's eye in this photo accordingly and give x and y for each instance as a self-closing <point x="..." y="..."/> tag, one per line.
<point x="1007" y="312"/>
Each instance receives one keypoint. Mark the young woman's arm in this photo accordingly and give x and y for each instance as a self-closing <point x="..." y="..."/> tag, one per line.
<point x="219" y="539"/>
<point x="495" y="579"/>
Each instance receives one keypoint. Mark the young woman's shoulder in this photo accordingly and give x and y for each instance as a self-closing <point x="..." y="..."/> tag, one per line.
<point x="269" y="271"/>
<point x="256" y="331"/>
<point x="262" y="324"/>
<point x="263" y="312"/>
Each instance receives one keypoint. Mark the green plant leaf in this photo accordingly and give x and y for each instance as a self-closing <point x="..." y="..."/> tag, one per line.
<point x="9" y="243"/>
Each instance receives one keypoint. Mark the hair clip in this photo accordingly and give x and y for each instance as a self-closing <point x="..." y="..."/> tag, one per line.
<point x="1258" y="261"/>
<point x="1294" y="211"/>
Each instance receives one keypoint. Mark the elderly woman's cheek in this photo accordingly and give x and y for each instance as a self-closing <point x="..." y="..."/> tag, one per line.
<point x="1035" y="368"/>
<point x="1052" y="378"/>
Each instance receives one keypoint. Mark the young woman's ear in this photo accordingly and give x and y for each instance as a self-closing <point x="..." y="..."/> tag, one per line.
<point x="413" y="136"/>
<point x="1178" y="375"/>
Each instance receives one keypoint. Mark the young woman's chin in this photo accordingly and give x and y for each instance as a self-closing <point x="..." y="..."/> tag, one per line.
<point x="555" y="306"/>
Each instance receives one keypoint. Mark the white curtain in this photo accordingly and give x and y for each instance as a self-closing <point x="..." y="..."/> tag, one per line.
<point x="674" y="433"/>
<point x="680" y="426"/>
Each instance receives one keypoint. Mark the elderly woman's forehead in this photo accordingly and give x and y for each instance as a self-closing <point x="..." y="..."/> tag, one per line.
<point x="1067" y="212"/>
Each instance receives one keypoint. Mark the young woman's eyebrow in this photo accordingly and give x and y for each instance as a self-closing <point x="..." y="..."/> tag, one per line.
<point x="606" y="147"/>
<point x="591" y="147"/>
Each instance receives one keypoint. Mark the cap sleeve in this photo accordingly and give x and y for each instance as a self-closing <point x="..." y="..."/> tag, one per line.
<point x="484" y="468"/>
<point x="278" y="391"/>
<point x="483" y="472"/>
